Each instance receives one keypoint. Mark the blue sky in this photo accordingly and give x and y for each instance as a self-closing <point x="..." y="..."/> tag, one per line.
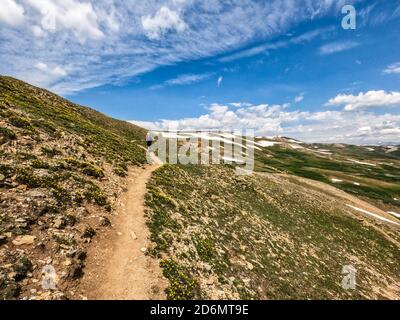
<point x="280" y="67"/>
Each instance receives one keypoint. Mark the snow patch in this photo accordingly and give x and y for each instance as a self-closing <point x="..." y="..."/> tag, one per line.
<point x="397" y="215"/>
<point x="364" y="163"/>
<point x="373" y="214"/>
<point x="295" y="146"/>
<point x="265" y="143"/>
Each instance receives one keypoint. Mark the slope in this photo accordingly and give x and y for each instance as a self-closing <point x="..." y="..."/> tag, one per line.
<point x="62" y="168"/>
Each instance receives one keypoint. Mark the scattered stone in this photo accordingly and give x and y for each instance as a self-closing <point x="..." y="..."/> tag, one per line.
<point x="2" y="177"/>
<point x="144" y="250"/>
<point x="105" y="222"/>
<point x="207" y="267"/>
<point x="67" y="263"/>
<point x="250" y="266"/>
<point x="82" y="211"/>
<point x="119" y="233"/>
<point x="24" y="240"/>
<point x="133" y="235"/>
<point x="59" y="223"/>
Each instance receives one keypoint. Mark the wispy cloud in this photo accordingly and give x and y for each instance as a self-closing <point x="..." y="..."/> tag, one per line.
<point x="183" y="79"/>
<point x="219" y="81"/>
<point x="265" y="48"/>
<point x="379" y="12"/>
<point x="393" y="68"/>
<point x="107" y="41"/>
<point x="336" y="47"/>
<point x="299" y="98"/>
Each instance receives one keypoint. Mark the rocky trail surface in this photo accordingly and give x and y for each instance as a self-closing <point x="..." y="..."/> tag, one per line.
<point x="117" y="265"/>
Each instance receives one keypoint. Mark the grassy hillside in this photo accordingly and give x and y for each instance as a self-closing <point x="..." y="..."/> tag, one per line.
<point x="268" y="236"/>
<point x="370" y="172"/>
<point x="61" y="169"/>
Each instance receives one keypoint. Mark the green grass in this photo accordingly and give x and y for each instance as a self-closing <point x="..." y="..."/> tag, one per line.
<point x="262" y="237"/>
<point x="113" y="139"/>
<point x="308" y="165"/>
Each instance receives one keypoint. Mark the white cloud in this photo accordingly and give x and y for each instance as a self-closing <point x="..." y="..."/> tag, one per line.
<point x="365" y="100"/>
<point x="38" y="31"/>
<point x="55" y="71"/>
<point x="164" y="20"/>
<point x="11" y="13"/>
<point x="219" y="81"/>
<point x="393" y="68"/>
<point x="79" y="17"/>
<point x="336" y="47"/>
<point x="327" y="126"/>
<point x="299" y="98"/>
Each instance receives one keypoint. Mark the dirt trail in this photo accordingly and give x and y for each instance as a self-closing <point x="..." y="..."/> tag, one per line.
<point x="117" y="267"/>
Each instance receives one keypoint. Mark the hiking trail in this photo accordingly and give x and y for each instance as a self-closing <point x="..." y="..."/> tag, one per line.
<point x="117" y="267"/>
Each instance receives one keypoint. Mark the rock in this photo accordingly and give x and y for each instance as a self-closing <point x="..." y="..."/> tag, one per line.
<point x="2" y="177"/>
<point x="24" y="240"/>
<point x="144" y="250"/>
<point x="105" y="222"/>
<point x="250" y="266"/>
<point x="67" y="263"/>
<point x="133" y="235"/>
<point x="37" y="194"/>
<point x="82" y="211"/>
<point x="59" y="223"/>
